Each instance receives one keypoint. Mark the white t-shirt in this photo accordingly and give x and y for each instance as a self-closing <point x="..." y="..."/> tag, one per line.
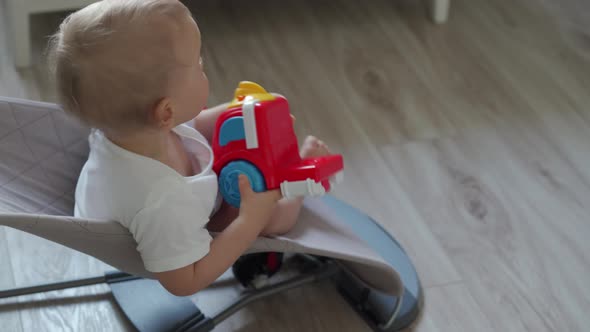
<point x="166" y="212"/>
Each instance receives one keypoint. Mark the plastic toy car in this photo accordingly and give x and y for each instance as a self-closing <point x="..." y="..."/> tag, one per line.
<point x="255" y="137"/>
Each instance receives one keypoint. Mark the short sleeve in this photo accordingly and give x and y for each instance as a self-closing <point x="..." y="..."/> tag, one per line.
<point x="170" y="231"/>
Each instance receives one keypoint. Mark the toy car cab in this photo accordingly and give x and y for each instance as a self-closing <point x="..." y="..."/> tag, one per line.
<point x="255" y="137"/>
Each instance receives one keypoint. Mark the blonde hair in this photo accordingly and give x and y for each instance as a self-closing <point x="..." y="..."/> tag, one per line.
<point x="112" y="61"/>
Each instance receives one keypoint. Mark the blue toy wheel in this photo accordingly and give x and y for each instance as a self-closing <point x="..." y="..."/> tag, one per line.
<point x="228" y="180"/>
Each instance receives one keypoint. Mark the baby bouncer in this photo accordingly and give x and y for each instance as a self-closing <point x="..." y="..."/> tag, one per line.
<point x="334" y="240"/>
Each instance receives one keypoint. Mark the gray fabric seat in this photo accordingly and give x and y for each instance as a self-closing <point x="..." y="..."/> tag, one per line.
<point x="41" y="154"/>
<point x="43" y="151"/>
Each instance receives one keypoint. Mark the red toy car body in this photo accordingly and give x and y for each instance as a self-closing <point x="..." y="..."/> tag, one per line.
<point x="257" y="130"/>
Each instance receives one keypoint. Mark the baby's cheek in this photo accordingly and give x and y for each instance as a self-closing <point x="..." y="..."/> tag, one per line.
<point x="203" y="84"/>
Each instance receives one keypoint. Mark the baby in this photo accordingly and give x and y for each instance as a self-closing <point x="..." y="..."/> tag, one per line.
<point x="132" y="71"/>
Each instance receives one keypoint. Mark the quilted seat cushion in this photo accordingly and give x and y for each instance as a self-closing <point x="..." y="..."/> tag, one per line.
<point x="42" y="151"/>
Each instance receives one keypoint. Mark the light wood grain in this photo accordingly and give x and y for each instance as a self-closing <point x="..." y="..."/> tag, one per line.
<point x="452" y="308"/>
<point x="10" y="318"/>
<point x="469" y="141"/>
<point x="510" y="218"/>
<point x="323" y="307"/>
<point x="324" y="107"/>
<point x="40" y="261"/>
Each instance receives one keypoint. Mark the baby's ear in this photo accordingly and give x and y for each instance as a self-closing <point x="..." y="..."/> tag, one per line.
<point x="161" y="115"/>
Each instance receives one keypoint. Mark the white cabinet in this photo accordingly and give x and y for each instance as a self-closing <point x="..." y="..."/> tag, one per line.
<point x="19" y="12"/>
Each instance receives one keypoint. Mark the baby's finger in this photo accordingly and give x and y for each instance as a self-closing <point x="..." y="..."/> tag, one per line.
<point x="244" y="185"/>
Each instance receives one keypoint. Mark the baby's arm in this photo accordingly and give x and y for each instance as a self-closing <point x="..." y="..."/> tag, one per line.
<point x="282" y="220"/>
<point x="226" y="248"/>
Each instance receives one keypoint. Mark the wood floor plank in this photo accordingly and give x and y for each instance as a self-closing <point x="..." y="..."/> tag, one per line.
<point x="320" y="304"/>
<point x="325" y="113"/>
<point x="40" y="261"/>
<point x="87" y="308"/>
<point x="516" y="232"/>
<point x="546" y="73"/>
<point x="382" y="87"/>
<point x="9" y="308"/>
<point x="468" y="141"/>
<point x="452" y="308"/>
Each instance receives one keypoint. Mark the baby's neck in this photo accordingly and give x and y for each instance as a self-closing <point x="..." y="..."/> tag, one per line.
<point x="163" y="146"/>
<point x="149" y="143"/>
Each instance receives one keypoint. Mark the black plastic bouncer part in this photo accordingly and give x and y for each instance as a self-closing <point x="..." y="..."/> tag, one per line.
<point x="382" y="312"/>
<point x="248" y="267"/>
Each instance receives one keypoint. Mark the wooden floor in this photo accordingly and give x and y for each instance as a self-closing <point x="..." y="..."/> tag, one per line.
<point x="469" y="141"/>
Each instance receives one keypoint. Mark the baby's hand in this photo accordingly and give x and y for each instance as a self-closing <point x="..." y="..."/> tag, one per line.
<point x="254" y="206"/>
<point x="313" y="147"/>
